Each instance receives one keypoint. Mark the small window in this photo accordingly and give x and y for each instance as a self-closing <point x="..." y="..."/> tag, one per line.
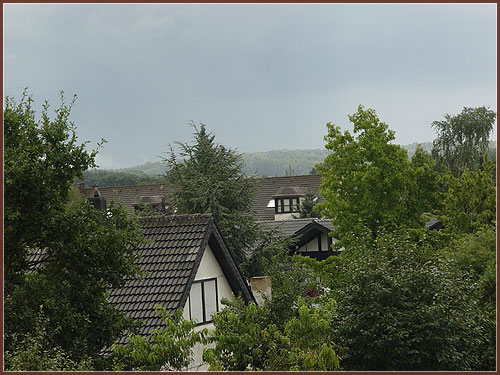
<point x="286" y="205"/>
<point x="203" y="300"/>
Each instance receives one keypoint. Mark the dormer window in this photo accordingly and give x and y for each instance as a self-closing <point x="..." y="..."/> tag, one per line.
<point x="286" y="205"/>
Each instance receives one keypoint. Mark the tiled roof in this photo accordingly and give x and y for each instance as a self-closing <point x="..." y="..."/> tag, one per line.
<point x="292" y="226"/>
<point x="128" y="196"/>
<point x="269" y="186"/>
<point x="170" y="258"/>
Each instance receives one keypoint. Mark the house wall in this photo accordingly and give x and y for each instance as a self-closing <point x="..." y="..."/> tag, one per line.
<point x="288" y="216"/>
<point x="209" y="268"/>
<point x="313" y="244"/>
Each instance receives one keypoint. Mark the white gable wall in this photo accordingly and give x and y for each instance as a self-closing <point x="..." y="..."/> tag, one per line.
<point x="313" y="244"/>
<point x="209" y="268"/>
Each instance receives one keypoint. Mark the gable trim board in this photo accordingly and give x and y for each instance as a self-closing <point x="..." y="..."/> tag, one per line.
<point x="225" y="260"/>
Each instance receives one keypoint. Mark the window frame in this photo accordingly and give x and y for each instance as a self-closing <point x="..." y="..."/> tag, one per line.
<point x="205" y="319"/>
<point x="293" y="205"/>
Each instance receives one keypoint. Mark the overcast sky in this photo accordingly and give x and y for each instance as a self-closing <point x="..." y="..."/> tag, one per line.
<point x="260" y="76"/>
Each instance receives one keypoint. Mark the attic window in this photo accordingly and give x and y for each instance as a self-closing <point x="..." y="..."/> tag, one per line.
<point x="286" y="205"/>
<point x="203" y="300"/>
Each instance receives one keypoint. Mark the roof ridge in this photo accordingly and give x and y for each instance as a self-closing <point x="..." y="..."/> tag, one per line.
<point x="283" y="177"/>
<point x="289" y="220"/>
<point x="121" y="186"/>
<point x="176" y="216"/>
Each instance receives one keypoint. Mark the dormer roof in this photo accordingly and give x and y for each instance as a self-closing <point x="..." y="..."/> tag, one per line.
<point x="289" y="191"/>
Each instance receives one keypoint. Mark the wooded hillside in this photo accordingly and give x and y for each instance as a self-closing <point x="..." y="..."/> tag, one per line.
<point x="264" y="164"/>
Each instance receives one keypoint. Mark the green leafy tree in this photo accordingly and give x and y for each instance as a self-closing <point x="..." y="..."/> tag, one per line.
<point x="291" y="278"/>
<point x="369" y="183"/>
<point x="401" y="309"/>
<point x="463" y="139"/>
<point x="471" y="200"/>
<point x="59" y="251"/>
<point x="475" y="255"/>
<point x="36" y="352"/>
<point x="167" y="348"/>
<point x="90" y="254"/>
<point x="208" y="178"/>
<point x="244" y="341"/>
<point x="41" y="160"/>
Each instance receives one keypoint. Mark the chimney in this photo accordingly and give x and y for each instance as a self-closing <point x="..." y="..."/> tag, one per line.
<point x="261" y="286"/>
<point x="98" y="201"/>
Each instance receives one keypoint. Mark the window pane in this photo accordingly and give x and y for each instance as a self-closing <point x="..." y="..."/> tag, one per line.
<point x="278" y="203"/>
<point x="210" y="298"/>
<point x="287" y="205"/>
<point x="196" y="302"/>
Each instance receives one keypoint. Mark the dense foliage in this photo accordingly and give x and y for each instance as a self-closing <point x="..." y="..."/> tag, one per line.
<point x="463" y="139"/>
<point x="401" y="308"/>
<point x="41" y="160"/>
<point x="289" y="332"/>
<point x="471" y="200"/>
<point x="369" y="183"/>
<point x="245" y="341"/>
<point x="61" y="254"/>
<point x="168" y="348"/>
<point x="36" y="352"/>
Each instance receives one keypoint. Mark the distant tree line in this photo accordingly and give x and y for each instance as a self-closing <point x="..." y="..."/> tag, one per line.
<point x="103" y="177"/>
<point x="262" y="164"/>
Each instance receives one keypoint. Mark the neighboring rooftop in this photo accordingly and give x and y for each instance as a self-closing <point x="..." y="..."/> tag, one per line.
<point x="294" y="226"/>
<point x="270" y="186"/>
<point x="128" y="196"/>
<point x="267" y="188"/>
